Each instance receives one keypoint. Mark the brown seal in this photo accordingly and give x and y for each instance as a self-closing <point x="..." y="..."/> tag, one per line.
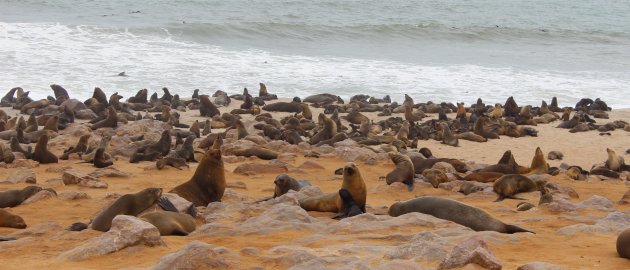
<point x="111" y="120"/>
<point x="454" y="211"/>
<point x="510" y="184"/>
<point x="255" y="151"/>
<point x="208" y="183"/>
<point x="349" y="207"/>
<point x="467" y="188"/>
<point x="614" y="162"/>
<point x="539" y="163"/>
<point x="403" y="172"/>
<point x="10" y="220"/>
<point x="100" y="161"/>
<point x="128" y="204"/>
<point x="41" y="153"/>
<point x="483" y="177"/>
<point x="194" y="128"/>
<point x="331" y="202"/>
<point x="545" y="195"/>
<point x="206" y="107"/>
<point x="355" y="117"/>
<point x="447" y="136"/>
<point x="480" y="128"/>
<point x="623" y="244"/>
<point x="100" y="96"/>
<point x="140" y="97"/>
<point x="292" y="107"/>
<point x="79" y="149"/>
<point x="420" y="164"/>
<point x="240" y="128"/>
<point x="471" y="136"/>
<point x="435" y="177"/>
<point x="329" y="129"/>
<point x="52" y="123"/>
<point x="6" y="154"/>
<point x="170" y="223"/>
<point x="14" y="197"/>
<point x="284" y="183"/>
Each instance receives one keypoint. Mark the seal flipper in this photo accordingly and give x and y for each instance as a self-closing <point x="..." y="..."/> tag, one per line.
<point x="515" y="229"/>
<point x="77" y="227"/>
<point x="166" y="204"/>
<point x="7" y="239"/>
<point x="179" y="232"/>
<point x="500" y="198"/>
<point x="514" y="197"/>
<point x="192" y="211"/>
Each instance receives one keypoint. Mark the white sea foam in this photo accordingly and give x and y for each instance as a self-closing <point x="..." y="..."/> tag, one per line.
<point x="34" y="55"/>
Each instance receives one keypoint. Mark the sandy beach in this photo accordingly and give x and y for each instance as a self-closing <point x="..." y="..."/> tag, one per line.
<point x="40" y="245"/>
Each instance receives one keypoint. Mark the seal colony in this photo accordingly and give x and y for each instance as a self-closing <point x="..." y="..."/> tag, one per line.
<point x="188" y="139"/>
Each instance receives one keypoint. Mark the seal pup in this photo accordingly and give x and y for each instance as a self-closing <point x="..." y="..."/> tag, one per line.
<point x="349" y="208"/>
<point x="467" y="188"/>
<point x="331" y="202"/>
<point x="510" y="184"/>
<point x="170" y="222"/>
<point x="404" y="171"/>
<point x="284" y="183"/>
<point x="623" y="244"/>
<point x="434" y="177"/>
<point x="10" y="220"/>
<point x="41" y="153"/>
<point x="14" y="197"/>
<point x="208" y="182"/>
<point x="454" y="211"/>
<point x="255" y="151"/>
<point x="128" y="204"/>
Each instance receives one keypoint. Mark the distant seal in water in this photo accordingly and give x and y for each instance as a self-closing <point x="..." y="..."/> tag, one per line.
<point x="10" y="220"/>
<point x="128" y="204"/>
<point x="331" y="202"/>
<point x="349" y="208"/>
<point x="510" y="184"/>
<point x="14" y="197"/>
<point x="208" y="183"/>
<point x="284" y="183"/>
<point x="623" y="244"/>
<point x="41" y="153"/>
<point x="454" y="211"/>
<point x="170" y="222"/>
<point x="403" y="172"/>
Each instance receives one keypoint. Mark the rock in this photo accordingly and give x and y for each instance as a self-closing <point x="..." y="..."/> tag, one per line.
<point x="426" y="246"/>
<point x="58" y="169"/>
<point x="257" y="168"/>
<point x="371" y="161"/>
<point x="237" y="184"/>
<point x="143" y="126"/>
<point x="625" y="199"/>
<point x="126" y="231"/>
<point x="194" y="255"/>
<point x="293" y="257"/>
<point x="22" y="176"/>
<point x="596" y="202"/>
<point x="108" y="172"/>
<point x="569" y="191"/>
<point x="37" y="230"/>
<point x="180" y="203"/>
<point x="227" y="211"/>
<point x="444" y="167"/>
<point x="524" y="206"/>
<point x="73" y="195"/>
<point x="23" y="163"/>
<point x="93" y="183"/>
<point x="473" y="250"/>
<point x="85" y="114"/>
<point x="559" y="205"/>
<point x="539" y="177"/>
<point x="309" y="164"/>
<point x="280" y="217"/>
<point x="347" y="143"/>
<point x="256" y="138"/>
<point x="615" y="222"/>
<point x="252" y="251"/>
<point x="232" y="196"/>
<point x="351" y="154"/>
<point x="39" y="196"/>
<point x="370" y="222"/>
<point x="540" y="266"/>
<point x="72" y="177"/>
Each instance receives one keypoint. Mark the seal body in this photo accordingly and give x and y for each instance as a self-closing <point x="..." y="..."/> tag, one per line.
<point x="623" y="244"/>
<point x="13" y="198"/>
<point x="128" y="204"/>
<point x="510" y="184"/>
<point x="332" y="202"/>
<point x="403" y="172"/>
<point x="170" y="223"/>
<point x="284" y="183"/>
<point x="10" y="220"/>
<point x="454" y="211"/>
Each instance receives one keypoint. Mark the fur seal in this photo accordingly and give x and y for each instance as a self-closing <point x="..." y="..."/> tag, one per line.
<point x="14" y="197"/>
<point x="614" y="162"/>
<point x="403" y="172"/>
<point x="206" y="107"/>
<point x="349" y="207"/>
<point x="284" y="183"/>
<point x="329" y="129"/>
<point x="170" y="222"/>
<point x="468" y="188"/>
<point x="128" y="204"/>
<point x="111" y="120"/>
<point x="10" y="220"/>
<point x="208" y="183"/>
<point x="479" y="128"/>
<point x="447" y="136"/>
<point x="99" y="160"/>
<point x="510" y="184"/>
<point x="331" y="202"/>
<point x="435" y="177"/>
<point x="623" y="244"/>
<point x="292" y="107"/>
<point x="483" y="177"/>
<point x="79" y="149"/>
<point x="454" y="211"/>
<point x="539" y="164"/>
<point x="255" y="151"/>
<point x="41" y="153"/>
<point x="420" y="164"/>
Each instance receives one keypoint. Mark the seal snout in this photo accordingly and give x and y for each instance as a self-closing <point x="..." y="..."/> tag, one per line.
<point x="350" y="168"/>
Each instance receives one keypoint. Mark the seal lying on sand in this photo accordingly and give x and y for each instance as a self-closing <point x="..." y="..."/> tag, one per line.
<point x="10" y="220"/>
<point x="454" y="211"/>
<point x="332" y="202"/>
<point x="128" y="204"/>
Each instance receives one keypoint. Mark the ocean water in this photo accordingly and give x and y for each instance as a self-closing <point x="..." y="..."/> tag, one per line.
<point x="454" y="50"/>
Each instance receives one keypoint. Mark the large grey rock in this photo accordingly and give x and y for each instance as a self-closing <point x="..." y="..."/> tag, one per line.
<point x="108" y="172"/>
<point x="615" y="222"/>
<point x="540" y="266"/>
<point x="596" y="202"/>
<point x="257" y="168"/>
<point x="22" y="175"/>
<point x="559" y="205"/>
<point x="425" y="246"/>
<point x="351" y="154"/>
<point x="126" y="231"/>
<point x="473" y="250"/>
<point x="279" y="217"/>
<point x="369" y="222"/>
<point x="74" y="177"/>
<point x="39" y="196"/>
<point x="73" y="195"/>
<point x="289" y="256"/>
<point x="194" y="255"/>
<point x="22" y="163"/>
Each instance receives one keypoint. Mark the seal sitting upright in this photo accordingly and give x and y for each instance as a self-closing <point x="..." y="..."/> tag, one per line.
<point x="208" y="183"/>
<point x="332" y="202"/>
